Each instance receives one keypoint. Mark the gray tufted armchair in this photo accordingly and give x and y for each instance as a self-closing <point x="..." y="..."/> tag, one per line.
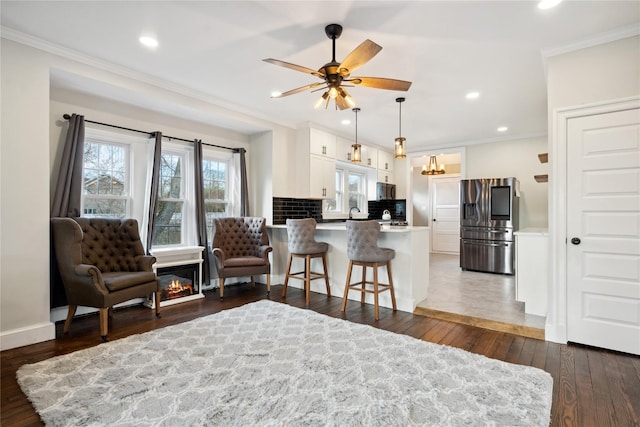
<point x="241" y="248"/>
<point x="102" y="263"/>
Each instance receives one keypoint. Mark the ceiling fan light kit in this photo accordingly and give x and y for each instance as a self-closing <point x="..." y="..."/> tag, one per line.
<point x="335" y="74"/>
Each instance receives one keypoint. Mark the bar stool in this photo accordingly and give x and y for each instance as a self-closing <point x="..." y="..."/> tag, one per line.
<point x="302" y="244"/>
<point x="363" y="250"/>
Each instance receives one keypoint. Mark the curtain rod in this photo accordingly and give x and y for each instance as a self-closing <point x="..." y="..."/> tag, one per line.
<point x="235" y="150"/>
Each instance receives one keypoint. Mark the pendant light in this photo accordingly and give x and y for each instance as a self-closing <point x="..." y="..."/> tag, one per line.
<point x="399" y="151"/>
<point x="433" y="168"/>
<point x="356" y="153"/>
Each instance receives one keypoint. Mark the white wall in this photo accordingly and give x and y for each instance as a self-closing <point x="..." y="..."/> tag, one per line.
<point x="597" y="74"/>
<point x="24" y="209"/>
<point x="517" y="158"/>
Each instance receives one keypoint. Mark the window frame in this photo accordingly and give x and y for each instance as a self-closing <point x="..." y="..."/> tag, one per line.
<point x="342" y="189"/>
<point x="216" y="156"/>
<point x="94" y="136"/>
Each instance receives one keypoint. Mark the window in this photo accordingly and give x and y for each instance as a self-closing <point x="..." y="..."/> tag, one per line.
<point x="105" y="180"/>
<point x="168" y="227"/>
<point x="350" y="192"/>
<point x="356" y="190"/>
<point x="215" y="179"/>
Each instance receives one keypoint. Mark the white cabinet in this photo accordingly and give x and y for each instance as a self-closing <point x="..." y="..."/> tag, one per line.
<point x="322" y="143"/>
<point x="385" y="176"/>
<point x="369" y="157"/>
<point x="322" y="178"/>
<point x="385" y="161"/>
<point x="532" y="269"/>
<point x="315" y="164"/>
<point x="343" y="149"/>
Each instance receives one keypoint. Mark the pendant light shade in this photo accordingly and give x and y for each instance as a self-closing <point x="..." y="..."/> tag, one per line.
<point x="433" y="168"/>
<point x="400" y="150"/>
<point x="356" y="153"/>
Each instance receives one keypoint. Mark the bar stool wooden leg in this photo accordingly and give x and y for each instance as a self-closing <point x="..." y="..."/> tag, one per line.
<point x="286" y="277"/>
<point x="347" y="286"/>
<point x="376" y="310"/>
<point x="326" y="274"/>
<point x="364" y="282"/>
<point x="307" y="278"/>
<point x="393" y="294"/>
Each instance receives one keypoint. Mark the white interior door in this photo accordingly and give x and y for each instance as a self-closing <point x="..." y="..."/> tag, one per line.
<point x="603" y="230"/>
<point x="445" y="214"/>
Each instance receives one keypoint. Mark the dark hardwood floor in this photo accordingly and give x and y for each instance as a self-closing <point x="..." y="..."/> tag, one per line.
<point x="592" y="387"/>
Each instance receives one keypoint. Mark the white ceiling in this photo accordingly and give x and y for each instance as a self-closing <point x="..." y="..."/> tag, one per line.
<point x="446" y="48"/>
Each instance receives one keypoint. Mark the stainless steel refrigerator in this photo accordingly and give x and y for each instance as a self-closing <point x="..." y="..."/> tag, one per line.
<point x="488" y="218"/>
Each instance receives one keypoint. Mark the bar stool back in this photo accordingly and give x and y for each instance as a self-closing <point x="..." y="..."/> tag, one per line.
<point x="302" y="244"/>
<point x="363" y="250"/>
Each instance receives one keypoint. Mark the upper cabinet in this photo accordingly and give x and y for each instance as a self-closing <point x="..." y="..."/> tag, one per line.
<point x="322" y="143"/>
<point x="343" y="149"/>
<point x="385" y="161"/>
<point x="369" y="157"/>
<point x="315" y="164"/>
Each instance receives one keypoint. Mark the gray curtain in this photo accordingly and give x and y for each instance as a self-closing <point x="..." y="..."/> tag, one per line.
<point x="201" y="220"/>
<point x="66" y="200"/>
<point x="155" y="183"/>
<point x="244" y="188"/>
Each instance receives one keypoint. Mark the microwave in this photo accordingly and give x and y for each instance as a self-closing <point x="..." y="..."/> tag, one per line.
<point x="385" y="191"/>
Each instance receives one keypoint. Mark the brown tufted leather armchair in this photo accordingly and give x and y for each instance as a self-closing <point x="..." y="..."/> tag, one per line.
<point x="102" y="263"/>
<point x="241" y="248"/>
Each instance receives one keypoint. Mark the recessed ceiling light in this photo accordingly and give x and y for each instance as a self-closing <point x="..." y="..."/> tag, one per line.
<point x="148" y="41"/>
<point x="473" y="95"/>
<point x="276" y="94"/>
<point x="346" y="122"/>
<point x="502" y="129"/>
<point x="548" y="4"/>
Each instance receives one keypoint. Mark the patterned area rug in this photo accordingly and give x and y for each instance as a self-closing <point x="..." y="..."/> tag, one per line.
<point x="270" y="364"/>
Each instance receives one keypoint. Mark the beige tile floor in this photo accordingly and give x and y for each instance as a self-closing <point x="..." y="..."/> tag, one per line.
<point x="478" y="295"/>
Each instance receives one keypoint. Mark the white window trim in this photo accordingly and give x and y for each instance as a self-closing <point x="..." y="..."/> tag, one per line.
<point x="343" y="211"/>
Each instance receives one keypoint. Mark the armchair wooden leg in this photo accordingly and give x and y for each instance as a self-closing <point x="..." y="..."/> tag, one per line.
<point x="268" y="284"/>
<point x="221" y="289"/>
<point x="70" y="314"/>
<point x="104" y="324"/>
<point x="157" y="298"/>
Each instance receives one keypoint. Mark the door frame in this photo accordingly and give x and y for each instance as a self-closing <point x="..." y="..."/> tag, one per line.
<point x="556" y="323"/>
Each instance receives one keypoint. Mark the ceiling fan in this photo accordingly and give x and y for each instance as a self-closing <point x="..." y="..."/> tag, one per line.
<point x="336" y="76"/>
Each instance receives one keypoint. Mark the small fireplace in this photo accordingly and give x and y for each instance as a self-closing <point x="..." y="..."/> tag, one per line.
<point x="178" y="281"/>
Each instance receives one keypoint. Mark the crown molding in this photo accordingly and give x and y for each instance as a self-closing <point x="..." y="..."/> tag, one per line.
<point x="162" y="84"/>
<point x="439" y="145"/>
<point x="598" y="39"/>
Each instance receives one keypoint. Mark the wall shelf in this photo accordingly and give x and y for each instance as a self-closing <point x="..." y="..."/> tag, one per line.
<point x="544" y="158"/>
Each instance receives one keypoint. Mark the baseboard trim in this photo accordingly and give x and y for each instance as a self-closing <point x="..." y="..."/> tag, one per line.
<point x="28" y="335"/>
<point x="494" y="325"/>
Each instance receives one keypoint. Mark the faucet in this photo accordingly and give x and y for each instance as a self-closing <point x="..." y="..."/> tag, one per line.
<point x="351" y="211"/>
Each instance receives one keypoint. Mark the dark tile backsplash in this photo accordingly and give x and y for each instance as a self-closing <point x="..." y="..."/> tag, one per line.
<point x="397" y="208"/>
<point x="284" y="207"/>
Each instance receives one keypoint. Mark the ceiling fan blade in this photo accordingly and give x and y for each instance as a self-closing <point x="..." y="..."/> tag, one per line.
<point x="298" y="90"/>
<point x="380" y="83"/>
<point x="294" y="67"/>
<point x="358" y="57"/>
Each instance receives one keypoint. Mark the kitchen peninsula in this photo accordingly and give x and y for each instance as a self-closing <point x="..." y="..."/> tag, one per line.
<point x="409" y="268"/>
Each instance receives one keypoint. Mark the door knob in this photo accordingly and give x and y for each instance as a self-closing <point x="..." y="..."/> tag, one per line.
<point x="434" y="220"/>
<point x="575" y="241"/>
